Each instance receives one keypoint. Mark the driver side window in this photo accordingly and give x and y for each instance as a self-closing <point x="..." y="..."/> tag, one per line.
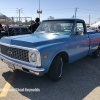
<point x="79" y="28"/>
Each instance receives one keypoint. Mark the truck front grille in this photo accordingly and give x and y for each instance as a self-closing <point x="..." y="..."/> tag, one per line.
<point x="15" y="53"/>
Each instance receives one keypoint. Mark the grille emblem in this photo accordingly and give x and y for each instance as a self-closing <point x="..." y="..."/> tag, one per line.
<point x="9" y="52"/>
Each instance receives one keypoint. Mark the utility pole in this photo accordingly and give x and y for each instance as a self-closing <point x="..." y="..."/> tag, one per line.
<point x="19" y="11"/>
<point x="38" y="11"/>
<point x="75" y="12"/>
<point x="89" y="19"/>
<point x="19" y="16"/>
<point x="73" y="16"/>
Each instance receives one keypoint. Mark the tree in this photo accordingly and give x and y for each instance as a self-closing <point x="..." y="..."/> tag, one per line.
<point x="50" y="17"/>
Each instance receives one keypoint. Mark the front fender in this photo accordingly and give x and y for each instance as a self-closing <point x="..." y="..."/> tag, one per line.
<point x="50" y="51"/>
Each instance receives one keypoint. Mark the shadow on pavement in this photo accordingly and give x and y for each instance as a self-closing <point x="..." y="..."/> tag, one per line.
<point x="77" y="82"/>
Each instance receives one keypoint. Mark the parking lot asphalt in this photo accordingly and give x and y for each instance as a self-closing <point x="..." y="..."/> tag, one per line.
<point x="80" y="81"/>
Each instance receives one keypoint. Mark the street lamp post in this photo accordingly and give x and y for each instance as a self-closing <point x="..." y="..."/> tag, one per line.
<point x="39" y="11"/>
<point x="39" y="8"/>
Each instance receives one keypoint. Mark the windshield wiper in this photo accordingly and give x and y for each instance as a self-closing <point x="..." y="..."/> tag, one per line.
<point x="37" y="30"/>
<point x="51" y="31"/>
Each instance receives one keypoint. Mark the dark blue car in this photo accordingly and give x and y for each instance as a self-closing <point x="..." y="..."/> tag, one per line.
<point x="15" y="30"/>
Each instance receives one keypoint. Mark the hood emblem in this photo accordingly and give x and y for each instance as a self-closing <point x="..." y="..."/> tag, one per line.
<point x="9" y="52"/>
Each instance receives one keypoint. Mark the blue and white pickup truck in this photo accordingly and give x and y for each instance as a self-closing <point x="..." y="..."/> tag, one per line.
<point x="53" y="43"/>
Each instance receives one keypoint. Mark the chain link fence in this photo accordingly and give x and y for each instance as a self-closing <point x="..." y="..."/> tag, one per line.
<point x="16" y="21"/>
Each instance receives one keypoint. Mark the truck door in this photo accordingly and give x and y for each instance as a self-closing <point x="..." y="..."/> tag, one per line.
<point x="80" y="41"/>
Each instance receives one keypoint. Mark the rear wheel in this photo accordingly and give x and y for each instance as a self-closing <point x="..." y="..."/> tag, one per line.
<point x="55" y="71"/>
<point x="96" y="54"/>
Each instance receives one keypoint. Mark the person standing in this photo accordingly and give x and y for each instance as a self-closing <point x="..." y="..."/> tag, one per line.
<point x="34" y="26"/>
<point x="0" y="30"/>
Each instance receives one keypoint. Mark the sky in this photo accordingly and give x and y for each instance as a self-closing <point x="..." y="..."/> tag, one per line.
<point x="54" y="8"/>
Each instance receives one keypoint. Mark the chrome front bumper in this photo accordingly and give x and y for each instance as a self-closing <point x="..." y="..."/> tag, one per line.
<point x="24" y="66"/>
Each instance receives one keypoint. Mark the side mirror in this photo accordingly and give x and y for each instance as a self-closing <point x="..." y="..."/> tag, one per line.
<point x="80" y="33"/>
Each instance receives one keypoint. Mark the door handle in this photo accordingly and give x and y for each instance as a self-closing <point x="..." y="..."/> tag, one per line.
<point x="87" y="38"/>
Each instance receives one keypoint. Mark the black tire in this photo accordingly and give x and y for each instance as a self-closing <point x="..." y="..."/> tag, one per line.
<point x="55" y="71"/>
<point x="96" y="54"/>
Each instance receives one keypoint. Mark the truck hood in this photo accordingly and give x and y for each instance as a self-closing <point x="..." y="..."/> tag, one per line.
<point x="34" y="40"/>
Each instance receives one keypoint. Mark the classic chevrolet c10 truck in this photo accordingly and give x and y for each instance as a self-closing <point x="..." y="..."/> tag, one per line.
<point x="53" y="43"/>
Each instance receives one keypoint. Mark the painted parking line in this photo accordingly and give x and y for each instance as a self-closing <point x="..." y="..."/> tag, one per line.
<point x="92" y="67"/>
<point x="7" y="86"/>
<point x="94" y="94"/>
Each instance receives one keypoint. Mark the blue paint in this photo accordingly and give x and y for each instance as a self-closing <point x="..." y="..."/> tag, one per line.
<point x="52" y="43"/>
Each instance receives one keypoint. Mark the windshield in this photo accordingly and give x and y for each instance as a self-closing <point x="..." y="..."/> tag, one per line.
<point x="58" y="27"/>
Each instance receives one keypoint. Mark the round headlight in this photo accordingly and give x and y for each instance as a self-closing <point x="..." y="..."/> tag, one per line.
<point x="33" y="57"/>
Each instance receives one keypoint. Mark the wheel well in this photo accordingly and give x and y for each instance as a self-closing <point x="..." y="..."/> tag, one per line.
<point x="99" y="45"/>
<point x="64" y="56"/>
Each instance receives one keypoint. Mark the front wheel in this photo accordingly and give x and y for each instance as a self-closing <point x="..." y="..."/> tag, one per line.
<point x="55" y="71"/>
<point x="96" y="54"/>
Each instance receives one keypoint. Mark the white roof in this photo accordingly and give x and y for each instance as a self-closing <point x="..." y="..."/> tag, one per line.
<point x="95" y="25"/>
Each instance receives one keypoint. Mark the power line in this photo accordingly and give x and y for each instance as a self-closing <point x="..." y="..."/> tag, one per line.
<point x="90" y="10"/>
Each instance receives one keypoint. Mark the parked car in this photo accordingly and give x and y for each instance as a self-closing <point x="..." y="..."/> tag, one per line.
<point x="53" y="43"/>
<point x="15" y="30"/>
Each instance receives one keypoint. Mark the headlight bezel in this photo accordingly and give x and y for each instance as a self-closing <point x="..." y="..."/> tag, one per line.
<point x="37" y="57"/>
<point x="32" y="57"/>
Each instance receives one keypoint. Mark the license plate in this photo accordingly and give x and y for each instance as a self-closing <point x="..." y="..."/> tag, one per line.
<point x="11" y="66"/>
